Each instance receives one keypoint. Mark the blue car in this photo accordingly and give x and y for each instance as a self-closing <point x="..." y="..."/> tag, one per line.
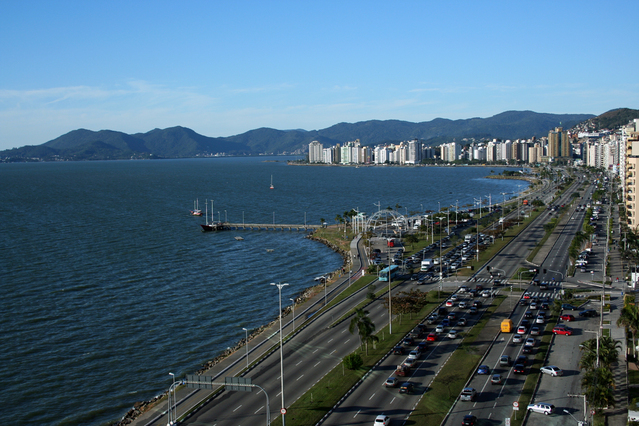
<point x="445" y="322"/>
<point x="483" y="369"/>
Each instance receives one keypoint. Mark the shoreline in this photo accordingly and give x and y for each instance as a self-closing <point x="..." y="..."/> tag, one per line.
<point x="141" y="407"/>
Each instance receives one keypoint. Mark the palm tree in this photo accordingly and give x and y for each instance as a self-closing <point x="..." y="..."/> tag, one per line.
<point x="629" y="318"/>
<point x="608" y="353"/>
<point x="364" y="326"/>
<point x="598" y="385"/>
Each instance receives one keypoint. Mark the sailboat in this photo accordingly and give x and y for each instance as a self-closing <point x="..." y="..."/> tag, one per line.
<point x="208" y="227"/>
<point x="196" y="208"/>
<point x="272" y="187"/>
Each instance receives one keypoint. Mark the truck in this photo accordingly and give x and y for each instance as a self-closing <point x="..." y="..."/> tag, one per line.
<point x="427" y="264"/>
<point x="402" y="370"/>
<point x="468" y="238"/>
<point x="390" y="242"/>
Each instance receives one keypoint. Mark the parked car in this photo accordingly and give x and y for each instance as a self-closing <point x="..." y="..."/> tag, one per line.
<point x="567" y="307"/>
<point x="483" y="369"/>
<point x="567" y="317"/>
<point x="562" y="329"/>
<point x="552" y="370"/>
<point x="588" y="313"/>
<point x="541" y="407"/>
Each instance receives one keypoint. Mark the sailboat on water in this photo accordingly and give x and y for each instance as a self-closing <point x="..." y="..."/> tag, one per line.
<point x="196" y="208"/>
<point x="272" y="187"/>
<point x="209" y="227"/>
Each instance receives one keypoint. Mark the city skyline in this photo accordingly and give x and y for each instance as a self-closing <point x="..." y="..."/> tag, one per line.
<point x="224" y="69"/>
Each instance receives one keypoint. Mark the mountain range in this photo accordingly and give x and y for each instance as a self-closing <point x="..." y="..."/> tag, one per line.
<point x="181" y="142"/>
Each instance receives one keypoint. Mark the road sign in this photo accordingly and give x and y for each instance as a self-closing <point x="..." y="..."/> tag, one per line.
<point x="283" y="411"/>
<point x="507" y="422"/>
<point x="515" y="404"/>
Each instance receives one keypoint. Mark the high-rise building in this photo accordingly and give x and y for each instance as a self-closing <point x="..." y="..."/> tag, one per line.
<point x="631" y="137"/>
<point x="315" y="154"/>
<point x="559" y="144"/>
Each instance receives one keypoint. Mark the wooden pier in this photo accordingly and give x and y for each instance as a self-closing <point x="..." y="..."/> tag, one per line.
<point x="271" y="227"/>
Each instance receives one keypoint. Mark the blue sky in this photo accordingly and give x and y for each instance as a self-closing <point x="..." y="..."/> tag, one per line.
<point x="223" y="68"/>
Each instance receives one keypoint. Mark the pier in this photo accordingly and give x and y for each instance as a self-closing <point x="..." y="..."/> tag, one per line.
<point x="228" y="226"/>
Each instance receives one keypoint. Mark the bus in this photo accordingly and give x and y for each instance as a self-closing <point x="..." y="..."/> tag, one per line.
<point x="392" y="270"/>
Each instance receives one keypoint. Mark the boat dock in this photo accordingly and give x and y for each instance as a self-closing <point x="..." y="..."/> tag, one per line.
<point x="227" y="226"/>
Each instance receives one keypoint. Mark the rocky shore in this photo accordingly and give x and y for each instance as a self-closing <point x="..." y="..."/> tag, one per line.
<point x="142" y="406"/>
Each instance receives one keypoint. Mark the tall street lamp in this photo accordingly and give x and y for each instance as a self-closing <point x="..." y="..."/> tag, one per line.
<point x="283" y="411"/>
<point x="246" y="344"/>
<point x="293" y="300"/>
<point x="172" y="419"/>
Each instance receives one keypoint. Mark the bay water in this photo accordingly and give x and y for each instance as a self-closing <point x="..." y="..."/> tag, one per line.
<point x="108" y="284"/>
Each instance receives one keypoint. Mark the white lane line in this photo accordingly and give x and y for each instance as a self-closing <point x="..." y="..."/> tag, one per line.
<point x="318" y="363"/>
<point x="316" y="350"/>
<point x="238" y="407"/>
<point x="330" y="341"/>
<point x="393" y="400"/>
<point x="333" y="352"/>
<point x="358" y="411"/>
<point x="300" y="377"/>
<point x="299" y="363"/>
<point x="372" y="396"/>
<point x="258" y="410"/>
<point x="347" y="341"/>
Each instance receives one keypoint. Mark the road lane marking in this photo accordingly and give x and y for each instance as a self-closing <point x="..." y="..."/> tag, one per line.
<point x="238" y="407"/>
<point x="333" y="352"/>
<point x="258" y="410"/>
<point x="299" y="363"/>
<point x="300" y="377"/>
<point x="358" y="411"/>
<point x="316" y="350"/>
<point x="372" y="396"/>
<point x="393" y="400"/>
<point x="330" y="341"/>
<point x="318" y="363"/>
<point x="347" y="341"/>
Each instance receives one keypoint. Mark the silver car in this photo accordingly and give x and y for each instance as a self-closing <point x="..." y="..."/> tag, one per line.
<point x="552" y="370"/>
<point x="541" y="407"/>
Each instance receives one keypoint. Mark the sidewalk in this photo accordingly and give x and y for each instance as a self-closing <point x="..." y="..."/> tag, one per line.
<point x="232" y="363"/>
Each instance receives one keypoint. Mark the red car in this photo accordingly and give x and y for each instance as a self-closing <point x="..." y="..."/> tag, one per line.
<point x="567" y="317"/>
<point x="526" y="295"/>
<point x="431" y="337"/>
<point x="562" y="329"/>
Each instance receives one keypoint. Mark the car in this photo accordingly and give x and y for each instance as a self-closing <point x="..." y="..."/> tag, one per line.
<point x="406" y="387"/>
<point x="398" y="350"/>
<point x="519" y="369"/>
<point x="463" y="289"/>
<point x="483" y="369"/>
<point x="431" y="337"/>
<point x="517" y="338"/>
<point x="534" y="331"/>
<point x="530" y="342"/>
<point x="409" y="362"/>
<point x="391" y="382"/>
<point x="521" y="329"/>
<point x="562" y="329"/>
<point x="431" y="319"/>
<point x="540" y="319"/>
<point x="552" y="370"/>
<point x="588" y="313"/>
<point x="486" y="293"/>
<point x="505" y="361"/>
<point x="452" y="334"/>
<point x="567" y="307"/>
<point x="469" y="420"/>
<point x="421" y="346"/>
<point x="382" y="420"/>
<point x="468" y="394"/>
<point x="450" y="303"/>
<point x="527" y="350"/>
<point x="528" y="314"/>
<point x="463" y="305"/>
<point x="534" y="306"/>
<point x="525" y="323"/>
<point x="414" y="354"/>
<point x="454" y="297"/>
<point x="473" y="310"/>
<point x="567" y="317"/>
<point x="527" y="295"/>
<point x="446" y="322"/>
<point x="496" y="379"/>
<point x="439" y="328"/>
<point x="408" y="341"/>
<point x="462" y="321"/>
<point x="477" y="304"/>
<point x="541" y="407"/>
<point x="545" y="305"/>
<point x="452" y="316"/>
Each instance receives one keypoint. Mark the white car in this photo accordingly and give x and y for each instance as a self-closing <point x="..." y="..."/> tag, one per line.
<point x="553" y="370"/>
<point x="452" y="334"/>
<point x="517" y="338"/>
<point x="408" y="362"/>
<point x="530" y="342"/>
<point x="485" y="293"/>
<point x="463" y="305"/>
<point x="414" y="354"/>
<point x="382" y="420"/>
<point x="453" y="297"/>
<point x="540" y="319"/>
<point x="439" y="329"/>
<point x="541" y="407"/>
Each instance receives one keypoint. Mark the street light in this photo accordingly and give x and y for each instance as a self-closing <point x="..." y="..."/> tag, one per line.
<point x="588" y="349"/>
<point x="171" y="419"/>
<point x="246" y="344"/>
<point x="279" y="288"/>
<point x="579" y="423"/>
<point x="293" y="300"/>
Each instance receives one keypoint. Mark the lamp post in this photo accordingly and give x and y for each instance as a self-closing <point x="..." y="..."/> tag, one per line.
<point x="171" y="419"/>
<point x="584" y="347"/>
<point x="279" y="288"/>
<point x="293" y="300"/>
<point x="246" y="344"/>
<point x="225" y="217"/>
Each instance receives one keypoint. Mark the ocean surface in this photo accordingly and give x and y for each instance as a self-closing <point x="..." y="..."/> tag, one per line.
<point x="108" y="284"/>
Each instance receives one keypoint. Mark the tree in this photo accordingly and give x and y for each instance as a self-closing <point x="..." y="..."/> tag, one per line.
<point x="608" y="353"/>
<point x="338" y="219"/>
<point x="598" y="385"/>
<point x="629" y="318"/>
<point x="371" y="293"/>
<point x="364" y="327"/>
<point x="353" y="361"/>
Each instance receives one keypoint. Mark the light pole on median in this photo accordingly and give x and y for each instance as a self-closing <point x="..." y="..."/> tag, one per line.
<point x="293" y="300"/>
<point x="246" y="344"/>
<point x="171" y="419"/>
<point x="279" y="288"/>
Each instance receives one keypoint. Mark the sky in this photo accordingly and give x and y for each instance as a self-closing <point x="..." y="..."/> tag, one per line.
<point x="224" y="68"/>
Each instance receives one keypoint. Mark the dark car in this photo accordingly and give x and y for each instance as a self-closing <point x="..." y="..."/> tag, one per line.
<point x="588" y="313"/>
<point x="469" y="420"/>
<point x="527" y="349"/>
<point x="521" y="359"/>
<point x="406" y="387"/>
<point x="398" y="350"/>
<point x="408" y="341"/>
<point x="519" y="369"/>
<point x="568" y="307"/>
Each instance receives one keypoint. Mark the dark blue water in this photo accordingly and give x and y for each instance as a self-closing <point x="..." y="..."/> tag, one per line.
<point x="108" y="284"/>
